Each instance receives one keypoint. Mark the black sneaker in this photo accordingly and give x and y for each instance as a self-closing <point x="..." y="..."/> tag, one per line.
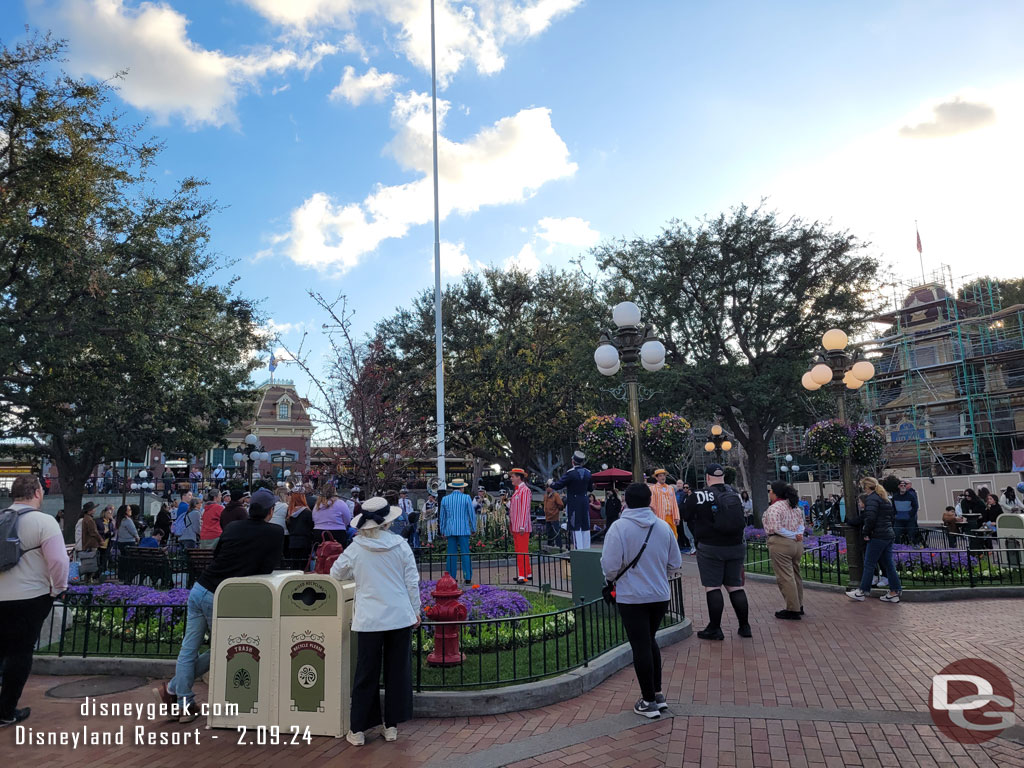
<point x="467" y="582"/>
<point x="801" y="610"/>
<point x="17" y="717"/>
<point x="648" y="709"/>
<point x="711" y="633"/>
<point x="788" y="615"/>
<point x="744" y="631"/>
<point x="659" y="699"/>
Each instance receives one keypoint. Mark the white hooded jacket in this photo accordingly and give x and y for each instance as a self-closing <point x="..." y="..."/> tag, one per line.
<point x="387" y="582"/>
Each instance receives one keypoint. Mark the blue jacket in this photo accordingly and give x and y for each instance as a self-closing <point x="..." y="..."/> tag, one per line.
<point x="905" y="505"/>
<point x="578" y="484"/>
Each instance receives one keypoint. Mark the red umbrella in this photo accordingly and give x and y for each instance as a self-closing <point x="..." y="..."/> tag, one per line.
<point x="612" y="477"/>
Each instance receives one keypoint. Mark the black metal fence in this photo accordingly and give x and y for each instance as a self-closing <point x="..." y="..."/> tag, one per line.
<point x="549" y="571"/>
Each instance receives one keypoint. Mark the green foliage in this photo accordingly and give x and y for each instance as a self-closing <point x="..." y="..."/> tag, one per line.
<point x="112" y="337"/>
<point x="741" y="301"/>
<point x="519" y="375"/>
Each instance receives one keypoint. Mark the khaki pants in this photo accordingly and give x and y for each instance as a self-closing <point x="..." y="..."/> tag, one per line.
<point x="786" y="554"/>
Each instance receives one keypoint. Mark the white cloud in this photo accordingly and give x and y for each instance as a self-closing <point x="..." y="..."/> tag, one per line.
<point x="168" y="73"/>
<point x="503" y="163"/>
<point x="282" y="355"/>
<point x="467" y="32"/>
<point x="571" y="231"/>
<point x="280" y="329"/>
<point x="962" y="187"/>
<point x="525" y="261"/>
<point x="454" y="260"/>
<point x="358" y="88"/>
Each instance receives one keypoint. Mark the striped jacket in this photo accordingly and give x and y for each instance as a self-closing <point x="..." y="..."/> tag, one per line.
<point x="520" y="510"/>
<point x="457" y="515"/>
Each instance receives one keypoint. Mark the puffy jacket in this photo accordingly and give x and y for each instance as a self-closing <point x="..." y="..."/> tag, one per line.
<point x="877" y="518"/>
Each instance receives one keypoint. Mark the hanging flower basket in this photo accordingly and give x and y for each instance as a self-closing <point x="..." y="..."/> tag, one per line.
<point x="664" y="437"/>
<point x="606" y="439"/>
<point x="866" y="444"/>
<point x="828" y="441"/>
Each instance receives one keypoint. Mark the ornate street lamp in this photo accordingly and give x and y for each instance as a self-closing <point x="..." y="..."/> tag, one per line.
<point x="718" y="441"/>
<point x="142" y="486"/>
<point x="845" y="369"/>
<point x="789" y="466"/>
<point x="630" y="346"/>
<point x="252" y="453"/>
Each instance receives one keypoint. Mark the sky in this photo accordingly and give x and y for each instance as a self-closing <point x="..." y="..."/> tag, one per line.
<point x="564" y="123"/>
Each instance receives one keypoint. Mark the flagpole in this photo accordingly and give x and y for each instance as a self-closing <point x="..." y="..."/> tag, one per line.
<point x="438" y="357"/>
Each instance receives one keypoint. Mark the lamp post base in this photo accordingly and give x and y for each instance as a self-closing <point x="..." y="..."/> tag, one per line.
<point x="854" y="554"/>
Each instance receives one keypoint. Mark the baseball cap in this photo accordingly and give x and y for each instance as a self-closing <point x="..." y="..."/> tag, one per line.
<point x="715" y="470"/>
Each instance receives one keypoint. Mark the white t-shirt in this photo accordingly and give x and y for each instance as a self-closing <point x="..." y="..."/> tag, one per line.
<point x="31" y="576"/>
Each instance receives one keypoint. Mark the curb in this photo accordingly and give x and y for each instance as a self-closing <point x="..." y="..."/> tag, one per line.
<point x="939" y="595"/>
<point x="492" y="701"/>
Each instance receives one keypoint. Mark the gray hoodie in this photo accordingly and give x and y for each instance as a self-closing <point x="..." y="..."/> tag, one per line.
<point x="648" y="581"/>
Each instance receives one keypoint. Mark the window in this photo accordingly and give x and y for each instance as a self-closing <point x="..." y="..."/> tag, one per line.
<point x="283" y="410"/>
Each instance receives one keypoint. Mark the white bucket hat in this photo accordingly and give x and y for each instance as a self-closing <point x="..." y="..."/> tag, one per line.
<point x="371" y="508"/>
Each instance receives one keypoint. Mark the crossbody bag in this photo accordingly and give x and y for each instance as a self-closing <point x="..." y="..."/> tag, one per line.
<point x="608" y="590"/>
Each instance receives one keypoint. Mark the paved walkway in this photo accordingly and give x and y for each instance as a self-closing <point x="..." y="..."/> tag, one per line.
<point x="847" y="686"/>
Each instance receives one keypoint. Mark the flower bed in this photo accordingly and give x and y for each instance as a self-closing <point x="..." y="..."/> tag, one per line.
<point x="135" y="613"/>
<point x="482" y="601"/>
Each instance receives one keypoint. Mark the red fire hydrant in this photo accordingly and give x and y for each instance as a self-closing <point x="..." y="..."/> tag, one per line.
<point x="446" y="651"/>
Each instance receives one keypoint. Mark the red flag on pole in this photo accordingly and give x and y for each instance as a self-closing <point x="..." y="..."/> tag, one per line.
<point x="919" y="242"/>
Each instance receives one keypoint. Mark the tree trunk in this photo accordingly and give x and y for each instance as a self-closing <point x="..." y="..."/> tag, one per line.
<point x="757" y="455"/>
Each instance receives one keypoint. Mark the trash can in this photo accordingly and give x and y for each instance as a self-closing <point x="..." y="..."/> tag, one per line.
<point x="587" y="576"/>
<point x="315" y="654"/>
<point x="1010" y="541"/>
<point x="243" y="646"/>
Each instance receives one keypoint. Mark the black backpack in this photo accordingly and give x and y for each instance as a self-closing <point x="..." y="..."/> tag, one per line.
<point x="10" y="544"/>
<point x="727" y="515"/>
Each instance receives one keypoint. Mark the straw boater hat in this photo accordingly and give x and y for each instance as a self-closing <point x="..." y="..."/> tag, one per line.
<point x="518" y="471"/>
<point x="660" y="472"/>
<point x="372" y="508"/>
<point x="457" y="483"/>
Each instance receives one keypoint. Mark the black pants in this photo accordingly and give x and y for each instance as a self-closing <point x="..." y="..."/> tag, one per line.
<point x="554" y="530"/>
<point x="392" y="651"/>
<point x="20" y="622"/>
<point x="641" y="622"/>
<point x="681" y="538"/>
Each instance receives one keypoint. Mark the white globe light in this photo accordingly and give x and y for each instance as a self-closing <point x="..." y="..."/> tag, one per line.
<point x="834" y="340"/>
<point x="784" y="468"/>
<point x="796" y="467"/>
<point x="287" y="473"/>
<point x="626" y="314"/>
<point x="251" y="439"/>
<point x="143" y="473"/>
<point x="716" y="429"/>
<point x="606" y="356"/>
<point x="789" y="458"/>
<point x="854" y="383"/>
<point x="652" y="366"/>
<point x="604" y="466"/>
<point x="709" y="446"/>
<point x="726" y="445"/>
<point x="809" y="382"/>
<point x="863" y="370"/>
<point x="610" y="371"/>
<point x="822" y="374"/>
<point x="239" y="456"/>
<point x="652" y="352"/>
<point x="151" y="486"/>
<point x="135" y="486"/>
<point x="280" y="484"/>
<point x="264" y="456"/>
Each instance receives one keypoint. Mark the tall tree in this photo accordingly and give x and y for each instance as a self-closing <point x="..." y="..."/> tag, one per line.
<point x="519" y="373"/>
<point x="741" y="301"/>
<point x="111" y="336"/>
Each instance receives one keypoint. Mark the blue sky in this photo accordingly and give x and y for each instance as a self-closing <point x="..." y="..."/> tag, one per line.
<point x="566" y="122"/>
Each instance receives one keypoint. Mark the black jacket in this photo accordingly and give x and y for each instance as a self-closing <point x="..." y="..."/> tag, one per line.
<point x="300" y="529"/>
<point x="246" y="548"/>
<point x="876" y="522"/>
<point x="612" y="509"/>
<point x="698" y="515"/>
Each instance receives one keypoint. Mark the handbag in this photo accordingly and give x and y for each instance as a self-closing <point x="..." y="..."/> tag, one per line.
<point x="608" y="590"/>
<point x="87" y="562"/>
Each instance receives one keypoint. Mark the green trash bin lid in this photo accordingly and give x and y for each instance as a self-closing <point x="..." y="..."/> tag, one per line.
<point x="244" y="601"/>
<point x="309" y="597"/>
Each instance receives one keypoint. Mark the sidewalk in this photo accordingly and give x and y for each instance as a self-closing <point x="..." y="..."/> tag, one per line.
<point x="846" y="686"/>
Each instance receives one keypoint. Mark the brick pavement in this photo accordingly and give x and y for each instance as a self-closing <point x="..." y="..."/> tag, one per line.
<point x="870" y="657"/>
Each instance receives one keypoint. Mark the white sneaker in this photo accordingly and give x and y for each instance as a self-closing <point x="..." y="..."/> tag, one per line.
<point x="856" y="594"/>
<point x="391" y="734"/>
<point x="883" y="582"/>
<point x="874" y="581"/>
<point x="887" y="598"/>
<point x="355" y="739"/>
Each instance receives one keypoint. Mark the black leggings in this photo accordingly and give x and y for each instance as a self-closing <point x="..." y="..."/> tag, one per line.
<point x="641" y="621"/>
<point x="20" y="622"/>
<point x="392" y="651"/>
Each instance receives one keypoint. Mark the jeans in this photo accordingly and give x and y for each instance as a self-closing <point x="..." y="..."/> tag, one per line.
<point x="905" y="531"/>
<point x="190" y="663"/>
<point x="879" y="552"/>
<point x="641" y="622"/>
<point x="460" y="544"/>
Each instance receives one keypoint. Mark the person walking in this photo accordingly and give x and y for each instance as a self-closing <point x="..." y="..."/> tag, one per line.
<point x="521" y="524"/>
<point x="331" y="515"/>
<point x="553" y="506"/>
<point x="38" y="573"/>
<point x="209" y="533"/>
<point x="663" y="500"/>
<point x="299" y="521"/>
<point x="877" y="529"/>
<point x="249" y="547"/>
<point x="639" y="555"/>
<point x="189" y="538"/>
<point x="715" y="515"/>
<point x="458" y="523"/>
<point x="784" y="526"/>
<point x="387" y="610"/>
<point x="578" y="483"/>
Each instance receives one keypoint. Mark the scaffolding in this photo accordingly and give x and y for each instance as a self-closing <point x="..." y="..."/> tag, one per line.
<point x="949" y="377"/>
